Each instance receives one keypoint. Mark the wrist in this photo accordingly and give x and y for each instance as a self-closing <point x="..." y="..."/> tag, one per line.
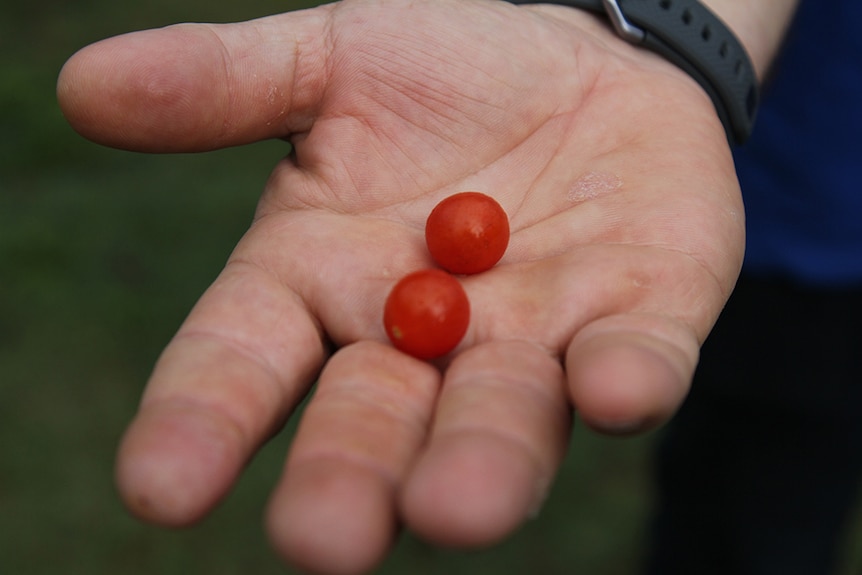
<point x="690" y="35"/>
<point x="759" y="26"/>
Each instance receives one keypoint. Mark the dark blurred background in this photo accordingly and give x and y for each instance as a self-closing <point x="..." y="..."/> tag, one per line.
<point x="102" y="253"/>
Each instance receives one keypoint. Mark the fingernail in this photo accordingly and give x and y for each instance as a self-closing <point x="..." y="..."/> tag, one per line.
<point x="541" y="494"/>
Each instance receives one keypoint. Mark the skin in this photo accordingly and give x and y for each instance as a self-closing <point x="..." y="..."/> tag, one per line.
<point x="627" y="238"/>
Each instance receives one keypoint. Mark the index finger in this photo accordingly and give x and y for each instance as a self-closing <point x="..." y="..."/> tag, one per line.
<point x="197" y="87"/>
<point x="242" y="360"/>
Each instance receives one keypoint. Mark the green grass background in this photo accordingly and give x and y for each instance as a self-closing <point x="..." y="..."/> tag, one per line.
<point x="102" y="253"/>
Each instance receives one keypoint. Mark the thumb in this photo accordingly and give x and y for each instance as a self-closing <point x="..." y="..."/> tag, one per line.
<point x="196" y="87"/>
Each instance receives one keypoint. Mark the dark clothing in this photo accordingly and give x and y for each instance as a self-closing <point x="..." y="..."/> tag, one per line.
<point x="759" y="471"/>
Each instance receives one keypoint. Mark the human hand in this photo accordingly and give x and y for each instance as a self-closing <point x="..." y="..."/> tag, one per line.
<point x="627" y="239"/>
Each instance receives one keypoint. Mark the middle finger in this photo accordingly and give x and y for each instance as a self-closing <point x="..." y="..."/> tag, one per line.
<point x="334" y="508"/>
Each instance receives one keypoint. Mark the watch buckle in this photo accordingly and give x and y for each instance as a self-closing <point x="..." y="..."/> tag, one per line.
<point x="624" y="28"/>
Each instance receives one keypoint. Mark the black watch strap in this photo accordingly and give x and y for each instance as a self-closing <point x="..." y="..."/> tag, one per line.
<point x="688" y="34"/>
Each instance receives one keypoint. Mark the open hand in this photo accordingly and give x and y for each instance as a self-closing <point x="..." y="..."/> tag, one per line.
<point x="627" y="237"/>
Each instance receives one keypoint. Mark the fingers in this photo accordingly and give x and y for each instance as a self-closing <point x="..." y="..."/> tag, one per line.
<point x="334" y="509"/>
<point x="628" y="373"/>
<point x="242" y="360"/>
<point x="500" y="428"/>
<point x="198" y="87"/>
<point x="500" y="431"/>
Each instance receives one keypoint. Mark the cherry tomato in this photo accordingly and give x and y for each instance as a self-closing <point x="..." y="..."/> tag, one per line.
<point x="426" y="314"/>
<point x="467" y="233"/>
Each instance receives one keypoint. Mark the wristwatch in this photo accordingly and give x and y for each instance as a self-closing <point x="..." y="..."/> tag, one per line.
<point x="688" y="34"/>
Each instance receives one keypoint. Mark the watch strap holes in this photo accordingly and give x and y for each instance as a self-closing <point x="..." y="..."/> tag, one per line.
<point x="690" y="35"/>
<point x="687" y="16"/>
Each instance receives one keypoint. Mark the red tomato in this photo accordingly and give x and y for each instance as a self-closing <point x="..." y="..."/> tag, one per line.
<point x="426" y="314"/>
<point x="467" y="233"/>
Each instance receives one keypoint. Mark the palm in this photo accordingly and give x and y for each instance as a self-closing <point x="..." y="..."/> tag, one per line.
<point x="626" y="241"/>
<point x="400" y="127"/>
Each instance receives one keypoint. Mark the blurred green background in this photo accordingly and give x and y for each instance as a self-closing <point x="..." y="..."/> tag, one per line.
<point x="102" y="253"/>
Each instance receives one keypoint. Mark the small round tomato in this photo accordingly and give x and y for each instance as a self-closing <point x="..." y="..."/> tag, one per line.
<point x="426" y="314"/>
<point x="467" y="233"/>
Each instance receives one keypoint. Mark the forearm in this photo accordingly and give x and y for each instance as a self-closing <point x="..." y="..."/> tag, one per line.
<point x="759" y="24"/>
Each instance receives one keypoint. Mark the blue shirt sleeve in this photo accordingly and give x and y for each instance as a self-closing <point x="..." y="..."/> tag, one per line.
<point x="801" y="171"/>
